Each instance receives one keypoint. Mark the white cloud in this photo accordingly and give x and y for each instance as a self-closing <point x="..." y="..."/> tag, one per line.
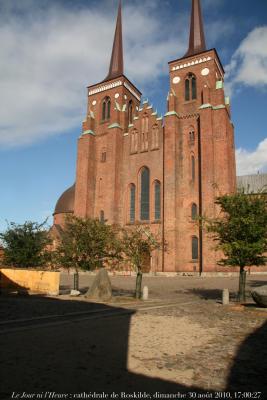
<point x="252" y="162"/>
<point x="248" y="65"/>
<point x="49" y="55"/>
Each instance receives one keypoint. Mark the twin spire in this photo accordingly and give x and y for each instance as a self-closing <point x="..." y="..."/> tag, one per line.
<point x="196" y="41"/>
<point x="116" y="62"/>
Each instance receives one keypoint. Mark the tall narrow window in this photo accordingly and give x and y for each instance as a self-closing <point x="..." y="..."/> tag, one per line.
<point x="194" y="88"/>
<point x="103" y="156"/>
<point x="155" y="137"/>
<point x="157" y="201"/>
<point x="193" y="168"/>
<point x="104" y="106"/>
<point x="194" y="211"/>
<point x="190" y="87"/>
<point x="144" y="134"/>
<point x="132" y="202"/>
<point x="106" y="109"/>
<point x="194" y="248"/>
<point x="130" y="112"/>
<point x="187" y="89"/>
<point x="100" y="187"/>
<point x="102" y="217"/>
<point x="144" y="200"/>
<point x="192" y="136"/>
<point x="134" y="141"/>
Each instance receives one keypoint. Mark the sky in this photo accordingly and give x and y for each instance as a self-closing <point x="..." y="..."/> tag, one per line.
<point x="51" y="50"/>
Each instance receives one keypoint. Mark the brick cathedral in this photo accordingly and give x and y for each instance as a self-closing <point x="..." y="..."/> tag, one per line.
<point x="134" y="167"/>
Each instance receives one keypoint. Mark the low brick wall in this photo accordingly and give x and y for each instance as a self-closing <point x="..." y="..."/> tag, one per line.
<point x="36" y="281"/>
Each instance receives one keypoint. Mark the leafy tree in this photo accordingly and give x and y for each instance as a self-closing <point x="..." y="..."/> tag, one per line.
<point x="87" y="244"/>
<point x="25" y="245"/>
<point x="241" y="232"/>
<point x="137" y="243"/>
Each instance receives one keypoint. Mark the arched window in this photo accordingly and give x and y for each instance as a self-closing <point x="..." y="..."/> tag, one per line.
<point x="190" y="87"/>
<point x="106" y="108"/>
<point x="193" y="168"/>
<point x="144" y="198"/>
<point x="132" y="202"/>
<point x="192" y="136"/>
<point x="194" y="211"/>
<point x="157" y="195"/>
<point x="187" y="89"/>
<point x="194" y="88"/>
<point x="102" y="217"/>
<point x="100" y="187"/>
<point x="130" y="112"/>
<point x="194" y="248"/>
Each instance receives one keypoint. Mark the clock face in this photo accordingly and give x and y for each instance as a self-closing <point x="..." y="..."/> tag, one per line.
<point x="117" y="95"/>
<point x="176" y="80"/>
<point x="205" y="72"/>
<point x="94" y="102"/>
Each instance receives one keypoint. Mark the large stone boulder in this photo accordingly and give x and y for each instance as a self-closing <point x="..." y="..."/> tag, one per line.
<point x="101" y="289"/>
<point x="259" y="295"/>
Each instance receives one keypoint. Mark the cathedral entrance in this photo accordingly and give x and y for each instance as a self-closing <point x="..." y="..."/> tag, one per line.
<point x="146" y="262"/>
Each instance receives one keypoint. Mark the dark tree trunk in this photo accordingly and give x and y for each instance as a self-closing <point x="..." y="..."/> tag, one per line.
<point x="76" y="281"/>
<point x="138" y="287"/>
<point x="242" y="285"/>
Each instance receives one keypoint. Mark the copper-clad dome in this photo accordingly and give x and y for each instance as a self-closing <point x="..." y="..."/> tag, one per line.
<point x="65" y="203"/>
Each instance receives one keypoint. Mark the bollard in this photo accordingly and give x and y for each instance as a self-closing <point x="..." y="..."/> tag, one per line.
<point x="145" y="293"/>
<point x="225" y="297"/>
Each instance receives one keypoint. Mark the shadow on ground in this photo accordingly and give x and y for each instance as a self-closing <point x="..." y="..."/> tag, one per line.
<point x="249" y="370"/>
<point x="88" y="355"/>
<point x="255" y="283"/>
<point x="210" y="294"/>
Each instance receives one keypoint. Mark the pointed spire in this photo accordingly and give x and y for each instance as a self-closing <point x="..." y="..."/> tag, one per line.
<point x="116" y="62"/>
<point x="197" y="37"/>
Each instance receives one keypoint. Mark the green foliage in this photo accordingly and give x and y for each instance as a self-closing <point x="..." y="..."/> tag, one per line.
<point x="25" y="245"/>
<point x="87" y="244"/>
<point x="137" y="243"/>
<point x="241" y="232"/>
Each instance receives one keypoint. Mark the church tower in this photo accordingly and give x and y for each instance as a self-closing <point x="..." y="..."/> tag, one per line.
<point x="199" y="154"/>
<point x="111" y="105"/>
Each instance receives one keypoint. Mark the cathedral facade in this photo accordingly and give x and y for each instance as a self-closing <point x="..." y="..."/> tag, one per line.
<point x="135" y="167"/>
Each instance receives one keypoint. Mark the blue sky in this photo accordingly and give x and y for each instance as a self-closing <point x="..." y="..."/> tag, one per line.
<point x="50" y="51"/>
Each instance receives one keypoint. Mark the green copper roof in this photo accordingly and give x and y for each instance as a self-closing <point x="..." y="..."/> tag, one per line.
<point x="89" y="132"/>
<point x="207" y="105"/>
<point x="171" y="113"/>
<point x="116" y="125"/>
<point x="219" y="85"/>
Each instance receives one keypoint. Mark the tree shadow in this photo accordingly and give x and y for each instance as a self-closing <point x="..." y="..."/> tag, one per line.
<point x="255" y="283"/>
<point x="210" y="294"/>
<point x="249" y="370"/>
<point x="8" y="286"/>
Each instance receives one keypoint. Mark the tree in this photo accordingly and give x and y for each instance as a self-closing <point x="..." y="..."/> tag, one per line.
<point x="87" y="244"/>
<point x="25" y="245"/>
<point x="137" y="243"/>
<point x="241" y="232"/>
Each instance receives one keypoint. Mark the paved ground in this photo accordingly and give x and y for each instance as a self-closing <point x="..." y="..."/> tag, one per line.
<point x="182" y="340"/>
